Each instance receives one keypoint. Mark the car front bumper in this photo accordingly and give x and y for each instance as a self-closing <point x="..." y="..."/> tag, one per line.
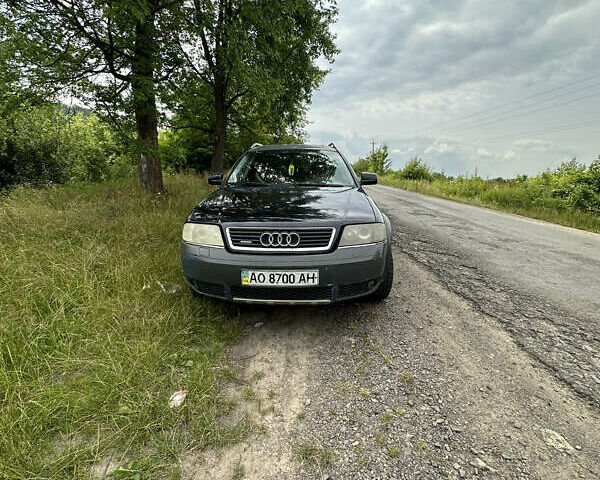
<point x="344" y="273"/>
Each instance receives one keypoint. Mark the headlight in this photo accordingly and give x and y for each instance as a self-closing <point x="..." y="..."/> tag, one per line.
<point x="201" y="234"/>
<point x="362" y="234"/>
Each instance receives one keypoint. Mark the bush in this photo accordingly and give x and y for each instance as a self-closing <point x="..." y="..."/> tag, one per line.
<point x="415" y="169"/>
<point x="578" y="185"/>
<point x="42" y="144"/>
<point x="377" y="162"/>
<point x="362" y="165"/>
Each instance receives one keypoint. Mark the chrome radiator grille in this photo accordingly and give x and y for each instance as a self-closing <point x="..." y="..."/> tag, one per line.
<point x="280" y="239"/>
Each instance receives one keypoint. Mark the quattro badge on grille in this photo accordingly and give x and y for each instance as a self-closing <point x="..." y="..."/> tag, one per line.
<point x="280" y="239"/>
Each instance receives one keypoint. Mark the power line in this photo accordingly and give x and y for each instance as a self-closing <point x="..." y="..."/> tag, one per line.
<point x="557" y="128"/>
<point x="504" y="106"/>
<point x="541" y="109"/>
<point x="516" y="109"/>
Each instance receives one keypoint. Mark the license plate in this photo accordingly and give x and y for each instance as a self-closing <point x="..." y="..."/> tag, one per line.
<point x="279" y="278"/>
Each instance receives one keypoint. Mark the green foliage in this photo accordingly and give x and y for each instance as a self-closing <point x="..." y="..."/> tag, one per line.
<point x="380" y="161"/>
<point x="377" y="162"/>
<point x="578" y="185"/>
<point x="228" y="73"/>
<point x="91" y="348"/>
<point x="249" y="70"/>
<point x="362" y="165"/>
<point x="569" y="195"/>
<point x="415" y="169"/>
<point x="41" y="144"/>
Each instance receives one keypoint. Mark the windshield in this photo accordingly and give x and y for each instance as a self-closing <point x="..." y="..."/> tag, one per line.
<point x="294" y="167"/>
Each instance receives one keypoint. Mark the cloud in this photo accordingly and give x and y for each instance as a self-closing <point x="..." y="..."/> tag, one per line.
<point x="484" y="152"/>
<point x="535" y="144"/>
<point x="433" y="78"/>
<point x="442" y="147"/>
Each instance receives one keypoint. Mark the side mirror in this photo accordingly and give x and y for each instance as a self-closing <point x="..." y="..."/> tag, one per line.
<point x="367" y="178"/>
<point x="215" y="179"/>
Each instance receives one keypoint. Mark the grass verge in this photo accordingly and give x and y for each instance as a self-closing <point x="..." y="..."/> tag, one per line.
<point x="91" y="347"/>
<point x="500" y="196"/>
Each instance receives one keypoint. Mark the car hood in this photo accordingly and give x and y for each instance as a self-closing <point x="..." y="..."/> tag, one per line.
<point x="283" y="204"/>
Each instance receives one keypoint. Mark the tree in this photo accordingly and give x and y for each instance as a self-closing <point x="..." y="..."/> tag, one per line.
<point x="377" y="161"/>
<point x="249" y="62"/>
<point x="362" y="165"/>
<point x="415" y="169"/>
<point x="113" y="52"/>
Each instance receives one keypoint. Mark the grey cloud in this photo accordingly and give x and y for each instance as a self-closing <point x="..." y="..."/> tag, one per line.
<point x="409" y="69"/>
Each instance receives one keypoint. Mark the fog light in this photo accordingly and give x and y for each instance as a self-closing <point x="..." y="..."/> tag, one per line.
<point x="371" y="284"/>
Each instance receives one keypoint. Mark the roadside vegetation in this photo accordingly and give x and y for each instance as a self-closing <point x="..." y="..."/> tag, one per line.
<point x="92" y="346"/>
<point x="568" y="195"/>
<point x="97" y="328"/>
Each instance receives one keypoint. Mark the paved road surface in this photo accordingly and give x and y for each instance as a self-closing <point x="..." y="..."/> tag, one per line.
<point x="541" y="280"/>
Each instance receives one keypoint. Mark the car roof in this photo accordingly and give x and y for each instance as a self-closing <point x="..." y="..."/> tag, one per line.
<point x="266" y="148"/>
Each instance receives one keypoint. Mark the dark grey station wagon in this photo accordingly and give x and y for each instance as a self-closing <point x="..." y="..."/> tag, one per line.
<point x="289" y="224"/>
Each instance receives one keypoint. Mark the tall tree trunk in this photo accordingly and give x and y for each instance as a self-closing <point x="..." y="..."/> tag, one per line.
<point x="144" y="100"/>
<point x="220" y="126"/>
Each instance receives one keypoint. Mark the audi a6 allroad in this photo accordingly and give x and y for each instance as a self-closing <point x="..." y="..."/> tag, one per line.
<point x="289" y="224"/>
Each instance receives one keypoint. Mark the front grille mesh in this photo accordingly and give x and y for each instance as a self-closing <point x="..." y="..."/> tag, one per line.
<point x="353" y="289"/>
<point x="281" y="293"/>
<point x="249" y="238"/>
<point x="207" y="288"/>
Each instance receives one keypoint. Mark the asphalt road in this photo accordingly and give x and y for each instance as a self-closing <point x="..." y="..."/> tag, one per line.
<point x="541" y="280"/>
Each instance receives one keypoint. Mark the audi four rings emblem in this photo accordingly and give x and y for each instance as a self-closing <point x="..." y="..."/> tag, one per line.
<point x="280" y="239"/>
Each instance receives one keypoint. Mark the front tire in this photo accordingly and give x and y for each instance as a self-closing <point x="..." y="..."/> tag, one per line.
<point x="385" y="286"/>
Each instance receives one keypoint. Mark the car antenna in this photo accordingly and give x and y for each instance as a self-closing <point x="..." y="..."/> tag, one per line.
<point x="332" y="145"/>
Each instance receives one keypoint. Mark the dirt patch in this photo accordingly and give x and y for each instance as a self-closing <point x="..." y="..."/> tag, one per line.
<point x="273" y="363"/>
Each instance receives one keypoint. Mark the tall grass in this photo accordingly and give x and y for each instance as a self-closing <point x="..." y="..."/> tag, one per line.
<point x="526" y="198"/>
<point x="91" y="348"/>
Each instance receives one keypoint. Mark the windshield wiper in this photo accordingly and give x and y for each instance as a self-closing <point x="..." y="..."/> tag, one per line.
<point x="320" y="185"/>
<point x="248" y="184"/>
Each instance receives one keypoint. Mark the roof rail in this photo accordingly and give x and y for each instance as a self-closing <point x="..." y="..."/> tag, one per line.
<point x="254" y="145"/>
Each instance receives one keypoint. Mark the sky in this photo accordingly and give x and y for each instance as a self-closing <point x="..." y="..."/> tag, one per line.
<point x="498" y="87"/>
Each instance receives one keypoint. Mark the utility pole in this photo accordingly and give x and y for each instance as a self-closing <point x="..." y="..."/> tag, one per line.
<point x="372" y="146"/>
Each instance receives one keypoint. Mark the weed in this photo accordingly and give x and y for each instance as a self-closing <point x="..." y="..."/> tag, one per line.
<point x="315" y="455"/>
<point x="362" y="369"/>
<point x="387" y="418"/>
<point x="343" y="387"/>
<point x="394" y="452"/>
<point x="238" y="472"/>
<point x="380" y="438"/>
<point x="422" y="445"/>
<point x="364" y="392"/>
<point x="407" y="379"/>
<point x="248" y="394"/>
